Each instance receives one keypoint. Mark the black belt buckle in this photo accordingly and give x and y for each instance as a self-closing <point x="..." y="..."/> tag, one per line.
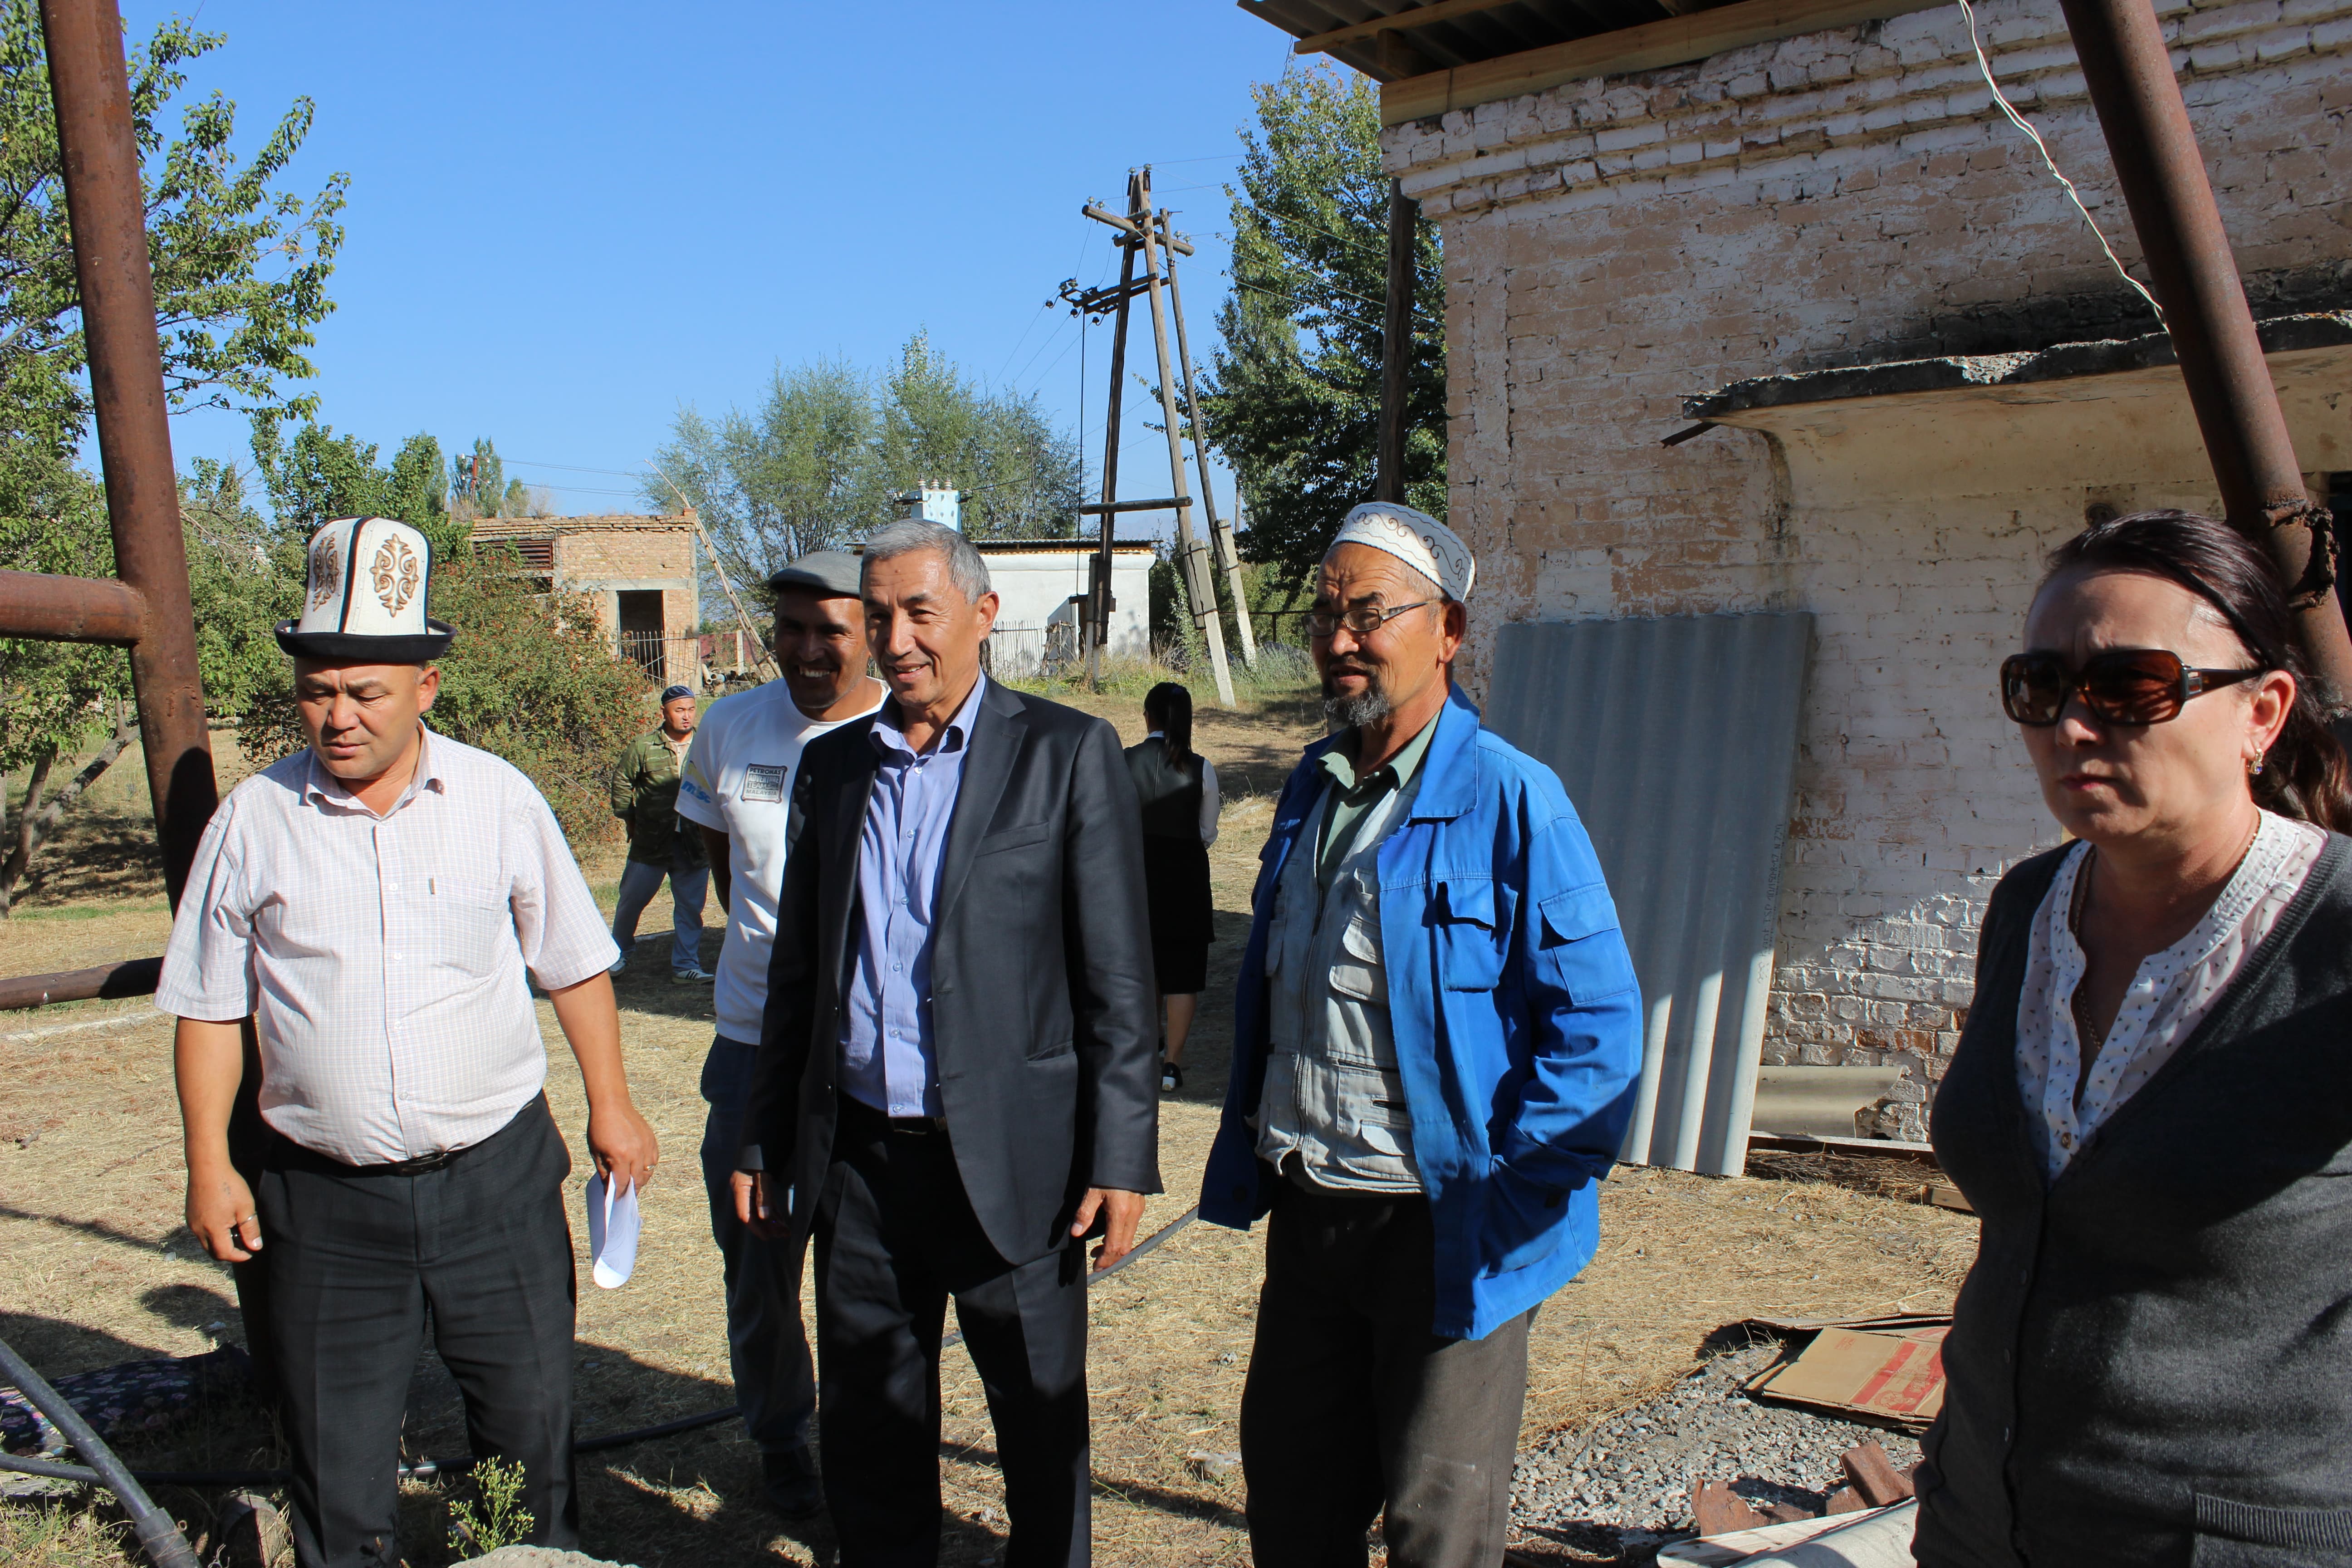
<point x="918" y="1126"/>
<point x="419" y="1165"/>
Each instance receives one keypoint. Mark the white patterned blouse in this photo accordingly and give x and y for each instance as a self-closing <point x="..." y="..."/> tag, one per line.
<point x="2169" y="997"/>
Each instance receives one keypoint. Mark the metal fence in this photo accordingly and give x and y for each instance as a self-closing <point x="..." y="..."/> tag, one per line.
<point x="1026" y="653"/>
<point x="705" y="663"/>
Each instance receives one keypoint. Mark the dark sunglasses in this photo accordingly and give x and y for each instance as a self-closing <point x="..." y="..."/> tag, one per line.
<point x="2122" y="685"/>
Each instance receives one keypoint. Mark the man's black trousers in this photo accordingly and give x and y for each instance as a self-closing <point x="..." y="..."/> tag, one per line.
<point x="1353" y="1406"/>
<point x="358" y="1259"/>
<point x="896" y="1237"/>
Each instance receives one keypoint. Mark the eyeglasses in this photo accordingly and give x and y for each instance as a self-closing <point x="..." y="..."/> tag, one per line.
<point x="2123" y="686"/>
<point x="1362" y="621"/>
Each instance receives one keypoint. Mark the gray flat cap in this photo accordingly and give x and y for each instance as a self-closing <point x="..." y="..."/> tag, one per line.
<point x="832" y="573"/>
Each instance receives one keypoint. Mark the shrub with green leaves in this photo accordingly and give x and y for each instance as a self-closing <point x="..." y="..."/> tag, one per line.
<point x="501" y="1520"/>
<point x="530" y="678"/>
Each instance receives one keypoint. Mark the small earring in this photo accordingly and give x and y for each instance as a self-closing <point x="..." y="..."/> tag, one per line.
<point x="2256" y="765"/>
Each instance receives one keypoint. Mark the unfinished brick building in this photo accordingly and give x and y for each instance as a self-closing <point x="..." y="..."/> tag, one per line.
<point x="1831" y="248"/>
<point x="640" y="571"/>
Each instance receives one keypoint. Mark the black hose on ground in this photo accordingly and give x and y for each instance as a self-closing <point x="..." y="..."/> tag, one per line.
<point x="159" y="1536"/>
<point x="64" y="1472"/>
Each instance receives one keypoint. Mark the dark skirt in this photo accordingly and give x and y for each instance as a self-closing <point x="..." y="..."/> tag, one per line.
<point x="1176" y="884"/>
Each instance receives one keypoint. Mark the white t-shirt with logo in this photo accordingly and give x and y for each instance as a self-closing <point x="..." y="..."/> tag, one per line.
<point x="738" y="779"/>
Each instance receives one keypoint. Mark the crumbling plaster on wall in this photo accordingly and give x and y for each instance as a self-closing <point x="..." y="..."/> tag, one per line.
<point x="1612" y="247"/>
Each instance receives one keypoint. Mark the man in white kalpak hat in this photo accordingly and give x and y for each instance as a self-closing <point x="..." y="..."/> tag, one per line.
<point x="371" y="906"/>
<point x="1436" y="1036"/>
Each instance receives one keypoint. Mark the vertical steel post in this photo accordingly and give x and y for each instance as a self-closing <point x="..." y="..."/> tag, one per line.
<point x="1190" y="557"/>
<point x="106" y="207"/>
<point x="2128" y="67"/>
<point x="1396" y="345"/>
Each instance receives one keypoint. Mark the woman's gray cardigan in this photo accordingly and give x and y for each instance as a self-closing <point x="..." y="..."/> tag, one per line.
<point x="2151" y="1360"/>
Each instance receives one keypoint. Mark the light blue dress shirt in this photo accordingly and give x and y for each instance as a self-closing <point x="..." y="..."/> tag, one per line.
<point x="887" y="1058"/>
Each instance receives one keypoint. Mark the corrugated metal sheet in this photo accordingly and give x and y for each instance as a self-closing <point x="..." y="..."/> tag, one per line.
<point x="1676" y="739"/>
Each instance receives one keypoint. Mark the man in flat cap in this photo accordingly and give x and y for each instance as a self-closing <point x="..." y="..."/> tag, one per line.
<point x="1436" y="1036"/>
<point x="662" y="842"/>
<point x="371" y="906"/>
<point x="737" y="793"/>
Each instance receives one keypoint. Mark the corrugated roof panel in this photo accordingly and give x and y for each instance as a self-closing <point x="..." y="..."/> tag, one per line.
<point x="1676" y="740"/>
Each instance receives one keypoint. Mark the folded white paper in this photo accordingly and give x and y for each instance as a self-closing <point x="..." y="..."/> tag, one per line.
<point x="612" y="1224"/>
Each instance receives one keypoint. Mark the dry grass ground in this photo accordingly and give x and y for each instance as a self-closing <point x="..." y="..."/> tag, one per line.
<point x="100" y="1269"/>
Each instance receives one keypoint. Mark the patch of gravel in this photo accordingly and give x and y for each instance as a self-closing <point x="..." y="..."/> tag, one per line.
<point x="1631" y="1474"/>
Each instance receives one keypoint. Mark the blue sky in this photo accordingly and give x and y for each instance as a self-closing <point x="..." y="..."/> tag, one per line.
<point x="568" y="221"/>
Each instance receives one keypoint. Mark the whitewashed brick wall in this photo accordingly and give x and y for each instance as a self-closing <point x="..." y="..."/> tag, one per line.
<point x="1842" y="198"/>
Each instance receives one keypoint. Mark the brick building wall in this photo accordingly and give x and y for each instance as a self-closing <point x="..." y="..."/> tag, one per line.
<point x="605" y="557"/>
<point x="1848" y="197"/>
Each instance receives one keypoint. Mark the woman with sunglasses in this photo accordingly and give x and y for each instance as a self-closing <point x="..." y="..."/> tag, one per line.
<point x="2151" y="1108"/>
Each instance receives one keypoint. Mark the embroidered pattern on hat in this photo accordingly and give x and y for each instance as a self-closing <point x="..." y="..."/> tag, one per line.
<point x="395" y="572"/>
<point x="326" y="572"/>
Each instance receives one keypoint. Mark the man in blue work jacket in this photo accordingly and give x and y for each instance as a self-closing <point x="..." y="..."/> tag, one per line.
<point x="1436" y="1039"/>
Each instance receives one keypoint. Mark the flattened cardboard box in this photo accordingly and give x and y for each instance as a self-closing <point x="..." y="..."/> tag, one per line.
<point x="1893" y="1374"/>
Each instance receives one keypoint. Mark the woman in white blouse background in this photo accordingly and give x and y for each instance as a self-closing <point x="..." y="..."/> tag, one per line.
<point x="2149" y="1360"/>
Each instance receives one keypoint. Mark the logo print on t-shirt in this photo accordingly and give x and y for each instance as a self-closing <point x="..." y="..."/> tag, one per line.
<point x="764" y="782"/>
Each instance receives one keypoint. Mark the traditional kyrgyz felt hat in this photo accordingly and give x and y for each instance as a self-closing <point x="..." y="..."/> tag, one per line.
<point x="1415" y="538"/>
<point x="829" y="573"/>
<point x="364" y="600"/>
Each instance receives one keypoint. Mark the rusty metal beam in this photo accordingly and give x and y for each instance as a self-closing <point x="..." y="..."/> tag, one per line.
<point x="105" y="204"/>
<point x="70" y="609"/>
<point x="131" y="977"/>
<point x="2128" y="67"/>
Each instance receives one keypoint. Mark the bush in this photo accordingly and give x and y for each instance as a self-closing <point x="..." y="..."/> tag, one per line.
<point x="530" y="678"/>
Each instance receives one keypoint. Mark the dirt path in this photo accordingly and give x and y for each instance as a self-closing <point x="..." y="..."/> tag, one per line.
<point x="100" y="1270"/>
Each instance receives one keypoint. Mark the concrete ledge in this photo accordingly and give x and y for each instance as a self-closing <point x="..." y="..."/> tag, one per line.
<point x="2063" y="361"/>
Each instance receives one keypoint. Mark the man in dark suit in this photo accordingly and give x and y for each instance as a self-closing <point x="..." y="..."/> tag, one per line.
<point x="957" y="1079"/>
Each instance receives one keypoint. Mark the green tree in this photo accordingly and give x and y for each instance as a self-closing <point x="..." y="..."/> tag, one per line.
<point x="817" y="463"/>
<point x="55" y="698"/>
<point x="478" y="483"/>
<point x="245" y="578"/>
<point x="240" y="266"/>
<point x="532" y="677"/>
<point x="1021" y="479"/>
<point x="1293" y="391"/>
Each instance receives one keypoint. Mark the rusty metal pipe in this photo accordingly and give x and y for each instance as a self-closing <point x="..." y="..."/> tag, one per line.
<point x="70" y="609"/>
<point x="2128" y="67"/>
<point x="131" y="977"/>
<point x="105" y="204"/>
<point x="1396" y="345"/>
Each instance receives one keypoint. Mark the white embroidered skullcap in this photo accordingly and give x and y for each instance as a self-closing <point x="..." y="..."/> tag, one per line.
<point x="1415" y="538"/>
<point x="364" y="600"/>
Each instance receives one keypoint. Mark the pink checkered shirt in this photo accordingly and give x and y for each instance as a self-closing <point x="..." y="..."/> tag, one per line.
<point x="382" y="958"/>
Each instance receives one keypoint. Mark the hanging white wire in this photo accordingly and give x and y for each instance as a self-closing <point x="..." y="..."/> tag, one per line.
<point x="1985" y="66"/>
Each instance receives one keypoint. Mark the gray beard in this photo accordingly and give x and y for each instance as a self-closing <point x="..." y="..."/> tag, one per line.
<point x="1353" y="712"/>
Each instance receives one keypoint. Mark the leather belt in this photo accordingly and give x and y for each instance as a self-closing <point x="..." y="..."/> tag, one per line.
<point x="416" y="1167"/>
<point x="904" y="1126"/>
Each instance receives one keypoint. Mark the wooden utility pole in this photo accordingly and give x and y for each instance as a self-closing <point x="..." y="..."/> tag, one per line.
<point x="1396" y="345"/>
<point x="1143" y="232"/>
<point x="1192" y="557"/>
<point x="1220" y="533"/>
<point x="1099" y="600"/>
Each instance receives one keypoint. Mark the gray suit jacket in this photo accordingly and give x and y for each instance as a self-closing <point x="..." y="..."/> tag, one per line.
<point x="1043" y="1002"/>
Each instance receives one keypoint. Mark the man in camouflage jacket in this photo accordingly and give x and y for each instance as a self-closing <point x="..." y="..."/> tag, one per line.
<point x="661" y="843"/>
